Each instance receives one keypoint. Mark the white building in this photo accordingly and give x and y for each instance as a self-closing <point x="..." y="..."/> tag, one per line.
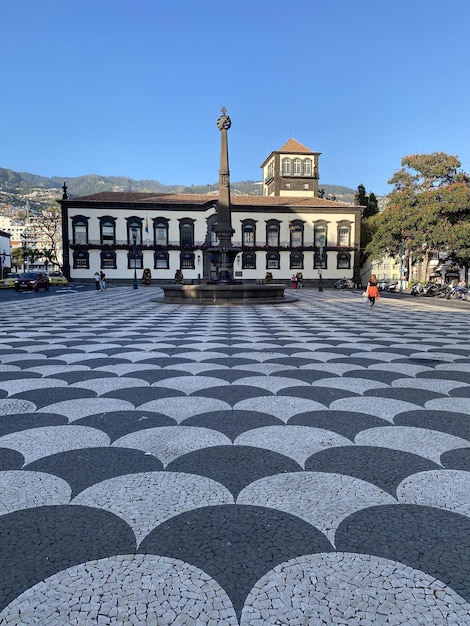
<point x="288" y="229"/>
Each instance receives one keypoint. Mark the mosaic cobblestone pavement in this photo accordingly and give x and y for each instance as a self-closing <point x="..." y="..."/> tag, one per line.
<point x="305" y="463"/>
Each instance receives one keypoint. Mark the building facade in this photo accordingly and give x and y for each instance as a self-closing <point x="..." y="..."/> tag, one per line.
<point x="287" y="230"/>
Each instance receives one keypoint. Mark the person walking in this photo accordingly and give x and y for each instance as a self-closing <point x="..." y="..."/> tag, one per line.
<point x="300" y="278"/>
<point x="293" y="281"/>
<point x="373" y="290"/>
<point x="102" y="281"/>
<point x="97" y="280"/>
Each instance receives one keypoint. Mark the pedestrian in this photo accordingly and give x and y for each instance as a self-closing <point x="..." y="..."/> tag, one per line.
<point x="97" y="280"/>
<point x="102" y="281"/>
<point x="372" y="290"/>
<point x="300" y="278"/>
<point x="293" y="281"/>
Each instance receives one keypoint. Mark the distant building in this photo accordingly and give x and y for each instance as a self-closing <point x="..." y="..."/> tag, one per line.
<point x="288" y="229"/>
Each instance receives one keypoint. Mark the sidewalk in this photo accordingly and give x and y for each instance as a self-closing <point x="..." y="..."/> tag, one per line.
<point x="304" y="463"/>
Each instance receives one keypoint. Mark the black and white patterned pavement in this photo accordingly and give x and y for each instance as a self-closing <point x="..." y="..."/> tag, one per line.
<point x="304" y="463"/>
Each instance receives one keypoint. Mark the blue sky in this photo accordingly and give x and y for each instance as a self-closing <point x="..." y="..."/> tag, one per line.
<point x="134" y="87"/>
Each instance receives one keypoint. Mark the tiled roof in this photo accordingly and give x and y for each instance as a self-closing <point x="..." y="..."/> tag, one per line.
<point x="294" y="146"/>
<point x="236" y="201"/>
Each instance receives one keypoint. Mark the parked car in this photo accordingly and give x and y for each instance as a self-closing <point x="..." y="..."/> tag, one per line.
<point x="9" y="281"/>
<point x="56" y="278"/>
<point x="344" y="283"/>
<point x="387" y="285"/>
<point x="32" y="280"/>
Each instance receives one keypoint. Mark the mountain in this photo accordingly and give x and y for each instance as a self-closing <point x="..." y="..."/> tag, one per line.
<point x="40" y="190"/>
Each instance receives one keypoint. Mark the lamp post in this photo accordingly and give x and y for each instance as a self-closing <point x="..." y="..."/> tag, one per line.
<point x="134" y="253"/>
<point x="321" y="244"/>
<point x="24" y="244"/>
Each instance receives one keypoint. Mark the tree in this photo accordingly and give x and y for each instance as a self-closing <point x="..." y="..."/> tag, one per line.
<point x="47" y="231"/>
<point x="427" y="211"/>
<point x="370" y="204"/>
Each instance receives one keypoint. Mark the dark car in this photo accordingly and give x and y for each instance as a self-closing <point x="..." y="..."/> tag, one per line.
<point x="344" y="283"/>
<point x="32" y="280"/>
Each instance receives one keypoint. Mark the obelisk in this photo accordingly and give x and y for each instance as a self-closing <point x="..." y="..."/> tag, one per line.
<point x="224" y="252"/>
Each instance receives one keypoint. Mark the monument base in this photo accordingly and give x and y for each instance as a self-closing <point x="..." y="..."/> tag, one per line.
<point x="225" y="293"/>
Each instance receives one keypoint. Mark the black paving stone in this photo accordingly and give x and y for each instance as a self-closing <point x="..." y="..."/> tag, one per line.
<point x="232" y="393"/>
<point x="140" y="395"/>
<point x="415" y="396"/>
<point x="457" y="424"/>
<point x="463" y="377"/>
<point x="383" y="467"/>
<point x="347" y="424"/>
<point x="52" y="395"/>
<point x="24" y="421"/>
<point x="306" y="375"/>
<point x="18" y="375"/>
<point x="116" y="424"/>
<point x="83" y="468"/>
<point x="80" y="376"/>
<point x="456" y="459"/>
<point x="431" y="540"/>
<point x="232" y="423"/>
<point x="235" y="467"/>
<point x="235" y="544"/>
<point x="36" y="543"/>
<point x="381" y="376"/>
<point x="324" y="395"/>
<point x="10" y="459"/>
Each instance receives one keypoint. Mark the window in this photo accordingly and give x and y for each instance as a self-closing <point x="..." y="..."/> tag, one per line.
<point x="273" y="261"/>
<point x="81" y="259"/>
<point x="249" y="261"/>
<point x="320" y="260"/>
<point x="108" y="259"/>
<point x="286" y="167"/>
<point x="134" y="225"/>
<point x="162" y="261"/>
<point x="320" y="235"/>
<point x="161" y="232"/>
<point x="307" y="167"/>
<point x="186" y="232"/>
<point x="272" y="234"/>
<point x="214" y="238"/>
<point x="80" y="230"/>
<point x="343" y="236"/>
<point x="134" y="261"/>
<point x="187" y="261"/>
<point x="296" y="261"/>
<point x="344" y="261"/>
<point x="107" y="231"/>
<point x="297" y="167"/>
<point x="296" y="234"/>
<point x="248" y="230"/>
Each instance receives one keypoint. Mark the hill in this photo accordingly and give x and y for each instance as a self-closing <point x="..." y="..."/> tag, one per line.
<point x="39" y="190"/>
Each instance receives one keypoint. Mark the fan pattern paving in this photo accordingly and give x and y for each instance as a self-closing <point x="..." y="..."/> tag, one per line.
<point x="302" y="463"/>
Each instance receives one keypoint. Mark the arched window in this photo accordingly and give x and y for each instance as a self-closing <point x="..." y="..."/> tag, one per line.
<point x="296" y="234"/>
<point x="161" y="261"/>
<point x="160" y="227"/>
<point x="81" y="259"/>
<point x="297" y="167"/>
<point x="273" y="261"/>
<point x="344" y="235"/>
<point x="187" y="260"/>
<point x="108" y="259"/>
<point x="296" y="261"/>
<point x="108" y="231"/>
<point x="134" y="226"/>
<point x="320" y="235"/>
<point x="248" y="233"/>
<point x="286" y="167"/>
<point x="320" y="259"/>
<point x="80" y="230"/>
<point x="248" y="261"/>
<point x="344" y="261"/>
<point x="214" y="238"/>
<point x="186" y="232"/>
<point x="307" y="167"/>
<point x="272" y="233"/>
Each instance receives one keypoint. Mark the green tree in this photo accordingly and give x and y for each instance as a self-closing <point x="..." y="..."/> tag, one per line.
<point x="427" y="211"/>
<point x="47" y="231"/>
<point x="370" y="204"/>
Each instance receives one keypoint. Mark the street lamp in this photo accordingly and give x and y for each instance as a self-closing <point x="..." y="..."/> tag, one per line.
<point x="24" y="244"/>
<point x="321" y="244"/>
<point x="134" y="253"/>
